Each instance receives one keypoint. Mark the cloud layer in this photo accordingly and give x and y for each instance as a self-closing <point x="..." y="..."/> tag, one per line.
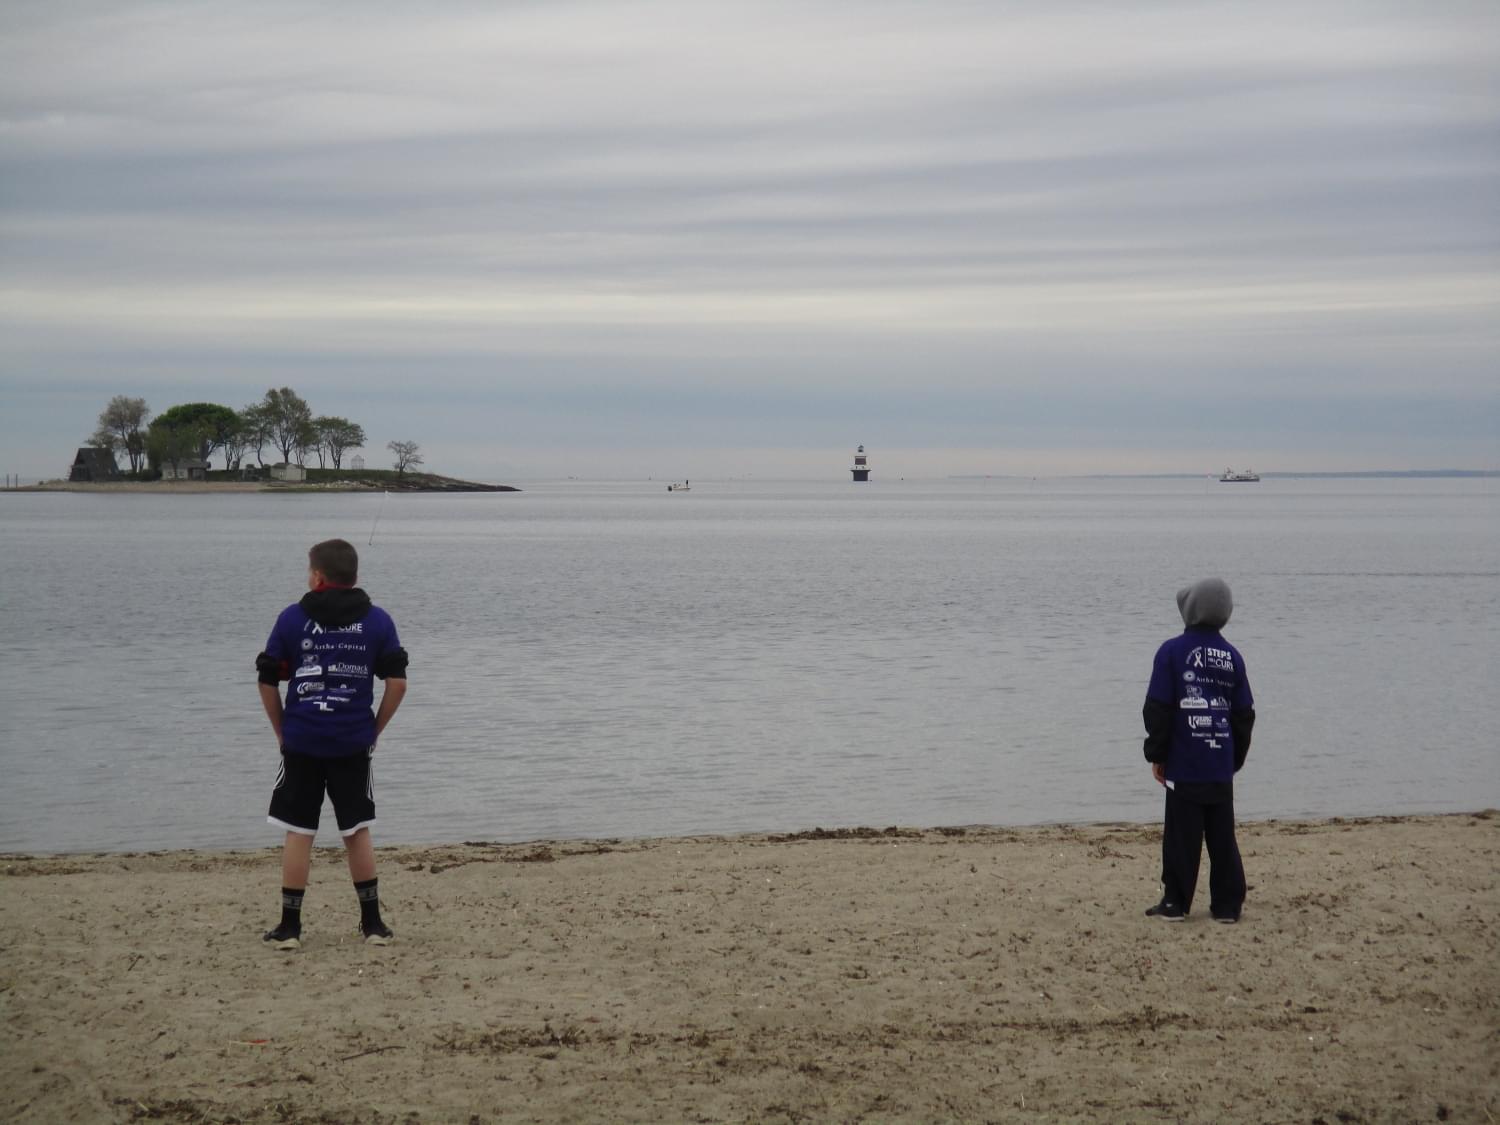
<point x="977" y="228"/>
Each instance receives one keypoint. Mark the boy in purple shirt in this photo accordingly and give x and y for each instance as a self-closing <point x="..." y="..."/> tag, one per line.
<point x="1199" y="713"/>
<point x="329" y="647"/>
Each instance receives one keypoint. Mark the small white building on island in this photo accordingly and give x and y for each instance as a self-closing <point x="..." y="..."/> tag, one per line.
<point x="189" y="468"/>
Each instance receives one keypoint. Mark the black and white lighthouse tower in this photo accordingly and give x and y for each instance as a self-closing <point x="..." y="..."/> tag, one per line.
<point x="861" y="468"/>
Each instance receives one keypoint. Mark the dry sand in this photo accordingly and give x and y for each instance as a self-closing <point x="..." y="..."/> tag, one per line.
<point x="976" y="974"/>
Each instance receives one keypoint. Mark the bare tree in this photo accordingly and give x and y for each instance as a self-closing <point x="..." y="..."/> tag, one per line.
<point x="122" y="426"/>
<point x="408" y="454"/>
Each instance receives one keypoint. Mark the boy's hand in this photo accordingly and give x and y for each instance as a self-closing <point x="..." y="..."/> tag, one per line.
<point x="1159" y="771"/>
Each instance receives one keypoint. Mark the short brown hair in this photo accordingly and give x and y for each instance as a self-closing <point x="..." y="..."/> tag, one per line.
<point x="337" y="559"/>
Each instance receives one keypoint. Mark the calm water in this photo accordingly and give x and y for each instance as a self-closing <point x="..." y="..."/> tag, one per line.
<point x="601" y="660"/>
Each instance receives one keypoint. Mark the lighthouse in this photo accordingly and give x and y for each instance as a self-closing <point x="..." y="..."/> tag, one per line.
<point x="861" y="468"/>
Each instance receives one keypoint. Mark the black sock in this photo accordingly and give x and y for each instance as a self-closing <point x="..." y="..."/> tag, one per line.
<point x="369" y="902"/>
<point x="291" y="908"/>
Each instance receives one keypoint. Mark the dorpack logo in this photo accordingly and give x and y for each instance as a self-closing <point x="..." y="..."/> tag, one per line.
<point x="348" y="670"/>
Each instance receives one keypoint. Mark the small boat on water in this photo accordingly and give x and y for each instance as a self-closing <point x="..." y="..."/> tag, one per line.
<point x="683" y="487"/>
<point x="1242" y="476"/>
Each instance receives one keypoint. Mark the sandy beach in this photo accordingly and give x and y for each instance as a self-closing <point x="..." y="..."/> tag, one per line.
<point x="883" y="975"/>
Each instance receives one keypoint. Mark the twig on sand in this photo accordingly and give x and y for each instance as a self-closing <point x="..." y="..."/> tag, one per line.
<point x="371" y="1051"/>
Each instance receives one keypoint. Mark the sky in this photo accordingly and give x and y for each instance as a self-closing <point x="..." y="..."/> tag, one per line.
<point x="707" y="239"/>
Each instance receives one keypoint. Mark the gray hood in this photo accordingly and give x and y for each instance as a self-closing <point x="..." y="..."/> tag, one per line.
<point x="1206" y="604"/>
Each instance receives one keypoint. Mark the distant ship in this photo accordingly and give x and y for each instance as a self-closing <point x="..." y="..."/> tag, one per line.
<point x="861" y="468"/>
<point x="683" y="487"/>
<point x="1241" y="477"/>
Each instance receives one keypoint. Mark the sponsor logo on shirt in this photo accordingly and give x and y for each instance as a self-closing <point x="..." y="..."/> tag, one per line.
<point x="306" y="670"/>
<point x="1205" y="657"/>
<point x="348" y="670"/>
<point x="357" y="627"/>
<point x="1219" y="702"/>
<point x="1193" y="699"/>
<point x="1188" y="677"/>
<point x="1200" y="722"/>
<point x="309" y="686"/>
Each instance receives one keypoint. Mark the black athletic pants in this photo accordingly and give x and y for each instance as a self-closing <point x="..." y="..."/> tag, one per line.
<point x="1188" y="825"/>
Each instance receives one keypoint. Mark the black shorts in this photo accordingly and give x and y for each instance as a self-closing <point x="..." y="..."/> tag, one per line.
<point x="298" y="797"/>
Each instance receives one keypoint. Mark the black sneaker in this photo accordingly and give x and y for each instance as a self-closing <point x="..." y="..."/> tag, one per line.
<point x="1227" y="919"/>
<point x="1166" y="911"/>
<point x="284" y="937"/>
<point x="377" y="933"/>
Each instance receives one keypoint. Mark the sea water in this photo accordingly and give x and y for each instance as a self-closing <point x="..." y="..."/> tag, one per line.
<point x="614" y="659"/>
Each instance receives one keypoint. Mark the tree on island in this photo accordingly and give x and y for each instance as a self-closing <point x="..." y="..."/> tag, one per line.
<point x="288" y="423"/>
<point x="336" y="436"/>
<point x="193" y="430"/>
<point x="121" y="427"/>
<point x="235" y="442"/>
<point x="255" y="431"/>
<point x="172" y="445"/>
<point x="408" y="454"/>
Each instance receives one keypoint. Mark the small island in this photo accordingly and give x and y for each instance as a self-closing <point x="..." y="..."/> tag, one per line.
<point x="317" y="480"/>
<point x="172" y="452"/>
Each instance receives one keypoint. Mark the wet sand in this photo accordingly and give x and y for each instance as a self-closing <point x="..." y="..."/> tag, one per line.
<point x="945" y="974"/>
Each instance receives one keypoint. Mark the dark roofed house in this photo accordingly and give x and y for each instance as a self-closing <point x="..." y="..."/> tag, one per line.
<point x="94" y="464"/>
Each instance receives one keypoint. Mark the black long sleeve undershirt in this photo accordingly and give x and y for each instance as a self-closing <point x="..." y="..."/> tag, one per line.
<point x="1160" y="718"/>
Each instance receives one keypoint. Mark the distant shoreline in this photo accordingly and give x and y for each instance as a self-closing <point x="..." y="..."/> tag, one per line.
<point x="1367" y="474"/>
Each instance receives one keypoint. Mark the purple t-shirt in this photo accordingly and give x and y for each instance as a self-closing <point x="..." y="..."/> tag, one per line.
<point x="331" y="693"/>
<point x="1202" y="677"/>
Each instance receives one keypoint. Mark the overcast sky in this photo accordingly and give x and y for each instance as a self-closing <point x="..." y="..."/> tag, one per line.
<point x="705" y="239"/>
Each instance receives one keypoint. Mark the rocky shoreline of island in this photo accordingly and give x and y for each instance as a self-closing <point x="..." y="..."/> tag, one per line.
<point x="412" y="482"/>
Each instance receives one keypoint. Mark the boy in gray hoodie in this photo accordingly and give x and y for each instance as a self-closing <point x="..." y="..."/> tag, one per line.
<point x="1199" y="713"/>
